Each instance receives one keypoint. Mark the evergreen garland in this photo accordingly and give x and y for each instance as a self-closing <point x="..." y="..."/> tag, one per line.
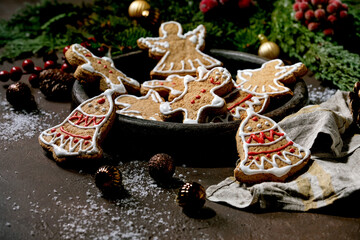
<point x="49" y="25"/>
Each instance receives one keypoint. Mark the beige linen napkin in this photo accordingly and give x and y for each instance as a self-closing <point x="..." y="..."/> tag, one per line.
<point x="332" y="174"/>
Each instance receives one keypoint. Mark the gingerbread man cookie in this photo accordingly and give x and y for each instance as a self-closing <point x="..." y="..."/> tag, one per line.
<point x="266" y="152"/>
<point x="80" y="134"/>
<point x="270" y="78"/>
<point x="178" y="53"/>
<point x="201" y="96"/>
<point x="91" y="68"/>
<point x="145" y="107"/>
<point x="171" y="87"/>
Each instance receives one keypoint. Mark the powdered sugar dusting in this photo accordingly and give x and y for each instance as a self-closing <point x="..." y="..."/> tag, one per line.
<point x="20" y="124"/>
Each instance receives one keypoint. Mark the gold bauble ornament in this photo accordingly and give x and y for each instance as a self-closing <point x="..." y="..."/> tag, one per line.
<point x="267" y="48"/>
<point x="137" y="8"/>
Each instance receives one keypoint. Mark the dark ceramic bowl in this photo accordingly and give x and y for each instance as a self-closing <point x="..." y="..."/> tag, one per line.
<point x="206" y="144"/>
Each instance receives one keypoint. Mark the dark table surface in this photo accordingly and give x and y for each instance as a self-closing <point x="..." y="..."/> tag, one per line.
<point x="42" y="200"/>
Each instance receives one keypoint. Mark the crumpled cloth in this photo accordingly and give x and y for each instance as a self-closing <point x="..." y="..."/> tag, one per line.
<point x="333" y="172"/>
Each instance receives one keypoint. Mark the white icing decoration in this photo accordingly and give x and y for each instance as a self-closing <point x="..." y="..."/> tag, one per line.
<point x="249" y="128"/>
<point x="196" y="37"/>
<point x="59" y="150"/>
<point x="259" y="125"/>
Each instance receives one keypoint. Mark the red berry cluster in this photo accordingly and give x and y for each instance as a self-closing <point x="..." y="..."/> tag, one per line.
<point x="28" y="67"/>
<point x="320" y="14"/>
<point x="207" y="5"/>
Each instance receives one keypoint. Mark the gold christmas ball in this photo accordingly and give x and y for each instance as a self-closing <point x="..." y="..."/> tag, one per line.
<point x="267" y="48"/>
<point x="137" y="8"/>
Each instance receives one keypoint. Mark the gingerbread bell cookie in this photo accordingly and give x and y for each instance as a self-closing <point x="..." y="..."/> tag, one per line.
<point x="266" y="152"/>
<point x="80" y="134"/>
<point x="144" y="107"/>
<point x="201" y="97"/>
<point x="178" y="53"/>
<point x="91" y="68"/>
<point x="271" y="78"/>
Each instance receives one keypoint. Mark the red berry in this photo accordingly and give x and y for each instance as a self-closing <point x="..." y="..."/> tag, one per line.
<point x="304" y="6"/>
<point x="331" y="8"/>
<point x="65" y="49"/>
<point x="309" y="14"/>
<point x="313" y="26"/>
<point x="315" y="2"/>
<point x="34" y="80"/>
<point x="37" y="70"/>
<point x="328" y="32"/>
<point x="344" y="6"/>
<point x="66" y="67"/>
<point x="4" y="76"/>
<point x="244" y="3"/>
<point x="299" y="15"/>
<point x="343" y="14"/>
<point x="296" y="6"/>
<point x="338" y="4"/>
<point x="319" y="14"/>
<point x="15" y="73"/>
<point x="332" y="19"/>
<point x="49" y="64"/>
<point x="28" y="65"/>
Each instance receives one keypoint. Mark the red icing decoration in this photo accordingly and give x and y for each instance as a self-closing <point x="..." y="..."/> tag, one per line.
<point x="110" y="71"/>
<point x="105" y="66"/>
<point x="255" y="119"/>
<point x="257" y="158"/>
<point x="101" y="100"/>
<point x="66" y="137"/>
<point x="250" y="157"/>
<point x="262" y="136"/>
<point x="58" y="134"/>
<point x="88" y="55"/>
<point x="81" y="119"/>
<point x="203" y="90"/>
<point x="86" y="142"/>
<point x="74" y="135"/>
<point x="198" y="97"/>
<point x="268" y="155"/>
<point x="244" y="105"/>
<point x="278" y="153"/>
<point x="53" y="130"/>
<point x="99" y="62"/>
<point x="161" y="84"/>
<point x="274" y="150"/>
<point x="240" y="102"/>
<point x="192" y="101"/>
<point x="76" y="140"/>
<point x="233" y="111"/>
<point x="292" y="150"/>
<point x="213" y="82"/>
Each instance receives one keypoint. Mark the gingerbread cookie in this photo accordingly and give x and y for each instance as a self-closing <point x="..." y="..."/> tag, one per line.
<point x="91" y="68"/>
<point x="79" y="135"/>
<point x="266" y="152"/>
<point x="178" y="53"/>
<point x="201" y="96"/>
<point x="171" y="87"/>
<point x="270" y="78"/>
<point x="145" y="107"/>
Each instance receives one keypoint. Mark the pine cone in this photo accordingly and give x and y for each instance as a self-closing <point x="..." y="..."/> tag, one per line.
<point x="355" y="103"/>
<point x="56" y="84"/>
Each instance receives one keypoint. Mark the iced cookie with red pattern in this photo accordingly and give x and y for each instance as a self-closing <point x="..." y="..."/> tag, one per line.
<point x="270" y="79"/>
<point x="80" y="134"/>
<point x="169" y="88"/>
<point x="266" y="152"/>
<point x="201" y="97"/>
<point x="144" y="107"/>
<point x="91" y="68"/>
<point x="178" y="53"/>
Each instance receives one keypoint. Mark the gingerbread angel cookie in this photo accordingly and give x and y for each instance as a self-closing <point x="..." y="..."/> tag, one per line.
<point x="270" y="78"/>
<point x="201" y="97"/>
<point x="145" y="107"/>
<point x="80" y="134"/>
<point x="266" y="152"/>
<point x="171" y="87"/>
<point x="178" y="53"/>
<point x="91" y="68"/>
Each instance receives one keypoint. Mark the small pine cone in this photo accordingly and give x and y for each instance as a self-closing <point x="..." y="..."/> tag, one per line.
<point x="56" y="84"/>
<point x="355" y="103"/>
